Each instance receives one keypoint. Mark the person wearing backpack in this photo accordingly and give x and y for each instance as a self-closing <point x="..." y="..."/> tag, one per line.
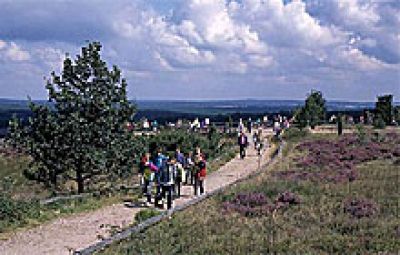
<point x="160" y="162"/>
<point x="200" y="174"/>
<point x="167" y="181"/>
<point x="149" y="171"/>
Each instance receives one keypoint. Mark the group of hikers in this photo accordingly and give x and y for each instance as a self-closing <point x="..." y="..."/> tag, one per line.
<point x="162" y="177"/>
<point x="243" y="140"/>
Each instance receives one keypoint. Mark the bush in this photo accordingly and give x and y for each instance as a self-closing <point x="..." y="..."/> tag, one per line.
<point x="146" y="214"/>
<point x="16" y="212"/>
<point x="295" y="133"/>
<point x="360" y="207"/>
<point x="379" y="122"/>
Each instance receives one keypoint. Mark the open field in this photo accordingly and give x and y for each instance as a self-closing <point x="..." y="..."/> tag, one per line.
<point x="329" y="211"/>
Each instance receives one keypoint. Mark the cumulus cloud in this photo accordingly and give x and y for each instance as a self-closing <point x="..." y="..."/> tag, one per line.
<point x="13" y="52"/>
<point x="231" y="44"/>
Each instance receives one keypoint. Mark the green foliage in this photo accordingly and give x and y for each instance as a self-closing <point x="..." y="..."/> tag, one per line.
<point x="379" y="122"/>
<point x="396" y="113"/>
<point x="384" y="109"/>
<point x="14" y="212"/>
<point x="313" y="112"/>
<point x="361" y="133"/>
<point x="145" y="214"/>
<point x="294" y="133"/>
<point x="84" y="135"/>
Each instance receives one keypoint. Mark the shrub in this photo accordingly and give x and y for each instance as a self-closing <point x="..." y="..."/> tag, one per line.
<point x="16" y="212"/>
<point x="379" y="122"/>
<point x="257" y="204"/>
<point x="360" y="207"/>
<point x="295" y="133"/>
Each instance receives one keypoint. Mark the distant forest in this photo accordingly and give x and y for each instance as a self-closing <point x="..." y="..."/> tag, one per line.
<point x="217" y="111"/>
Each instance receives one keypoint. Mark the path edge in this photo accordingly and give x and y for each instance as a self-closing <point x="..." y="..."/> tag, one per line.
<point x="126" y="233"/>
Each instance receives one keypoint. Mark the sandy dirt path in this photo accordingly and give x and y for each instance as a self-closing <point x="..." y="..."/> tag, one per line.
<point x="64" y="235"/>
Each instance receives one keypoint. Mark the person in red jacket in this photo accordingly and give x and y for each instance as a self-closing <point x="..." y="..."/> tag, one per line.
<point x="200" y="174"/>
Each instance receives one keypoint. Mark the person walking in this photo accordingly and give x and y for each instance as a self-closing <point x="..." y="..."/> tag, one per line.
<point x="249" y="125"/>
<point x="189" y="167"/>
<point x="167" y="181"/>
<point x="200" y="174"/>
<point x="161" y="163"/>
<point x="242" y="141"/>
<point x="148" y="178"/>
<point x="142" y="163"/>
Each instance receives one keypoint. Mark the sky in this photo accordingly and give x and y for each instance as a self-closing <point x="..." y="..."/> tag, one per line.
<point x="209" y="49"/>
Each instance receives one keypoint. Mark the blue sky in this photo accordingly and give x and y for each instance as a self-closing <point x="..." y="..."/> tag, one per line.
<point x="210" y="49"/>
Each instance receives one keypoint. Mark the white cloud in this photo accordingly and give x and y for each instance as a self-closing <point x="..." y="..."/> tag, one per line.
<point x="257" y="40"/>
<point x="13" y="52"/>
<point x="3" y="44"/>
<point x="357" y="13"/>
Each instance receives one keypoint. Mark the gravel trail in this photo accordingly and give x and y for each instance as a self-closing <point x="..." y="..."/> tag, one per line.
<point x="64" y="235"/>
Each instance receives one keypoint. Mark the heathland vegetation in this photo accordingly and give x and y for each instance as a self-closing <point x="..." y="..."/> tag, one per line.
<point x="328" y="195"/>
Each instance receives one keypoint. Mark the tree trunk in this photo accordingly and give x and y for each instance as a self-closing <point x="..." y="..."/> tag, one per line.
<point x="53" y="177"/>
<point x="80" y="181"/>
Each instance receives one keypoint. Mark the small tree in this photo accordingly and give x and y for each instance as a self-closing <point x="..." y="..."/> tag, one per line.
<point x="396" y="113"/>
<point x="83" y="134"/>
<point x="384" y="109"/>
<point x="313" y="112"/>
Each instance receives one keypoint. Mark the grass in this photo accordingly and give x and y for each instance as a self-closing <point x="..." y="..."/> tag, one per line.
<point x="12" y="180"/>
<point x="319" y="225"/>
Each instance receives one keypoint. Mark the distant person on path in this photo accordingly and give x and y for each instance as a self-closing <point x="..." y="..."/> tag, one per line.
<point x="200" y="174"/>
<point x="249" y="125"/>
<point x="242" y="141"/>
<point x="255" y="139"/>
<point x="277" y="129"/>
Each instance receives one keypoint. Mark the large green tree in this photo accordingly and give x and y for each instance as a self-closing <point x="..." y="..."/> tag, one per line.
<point x="82" y="132"/>
<point x="314" y="110"/>
<point x="384" y="108"/>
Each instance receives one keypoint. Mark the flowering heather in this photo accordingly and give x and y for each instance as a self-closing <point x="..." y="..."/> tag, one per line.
<point x="335" y="161"/>
<point x="360" y="207"/>
<point x="257" y="204"/>
<point x="289" y="198"/>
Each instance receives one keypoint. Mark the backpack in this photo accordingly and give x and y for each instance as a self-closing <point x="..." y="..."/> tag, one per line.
<point x="202" y="164"/>
<point x="148" y="175"/>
